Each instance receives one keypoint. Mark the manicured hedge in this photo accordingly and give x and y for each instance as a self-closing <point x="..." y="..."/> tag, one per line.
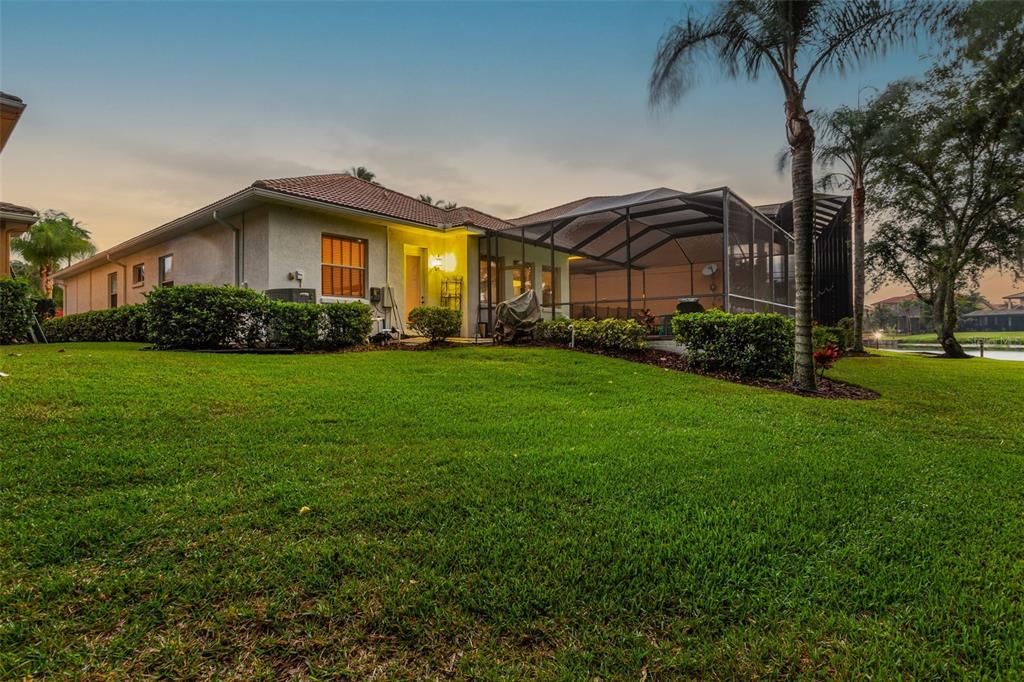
<point x="435" y="322"/>
<point x="127" y="323"/>
<point x="749" y="344"/>
<point x="200" y="316"/>
<point x="206" y="317"/>
<point x="16" y="310"/>
<point x="608" y="334"/>
<point x="310" y="326"/>
<point x="823" y="336"/>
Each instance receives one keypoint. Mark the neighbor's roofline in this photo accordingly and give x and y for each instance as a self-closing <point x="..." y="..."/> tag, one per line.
<point x="204" y="216"/>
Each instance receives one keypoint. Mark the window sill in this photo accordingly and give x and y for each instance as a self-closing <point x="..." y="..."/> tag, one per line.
<point x="343" y="299"/>
<point x="139" y="285"/>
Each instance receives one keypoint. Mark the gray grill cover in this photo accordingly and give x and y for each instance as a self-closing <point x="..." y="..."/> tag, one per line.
<point x="516" y="317"/>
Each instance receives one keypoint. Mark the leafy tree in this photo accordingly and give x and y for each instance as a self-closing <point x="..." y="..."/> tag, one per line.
<point x="426" y="199"/>
<point x="363" y="173"/>
<point x="795" y="41"/>
<point x="950" y="182"/>
<point x="54" y="238"/>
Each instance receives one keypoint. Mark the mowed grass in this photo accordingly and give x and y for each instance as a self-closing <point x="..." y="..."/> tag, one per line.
<point x="503" y="513"/>
<point x="967" y="337"/>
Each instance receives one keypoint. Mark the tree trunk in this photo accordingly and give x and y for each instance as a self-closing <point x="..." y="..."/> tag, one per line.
<point x="800" y="136"/>
<point x="46" y="280"/>
<point x="944" y="319"/>
<point x="858" y="267"/>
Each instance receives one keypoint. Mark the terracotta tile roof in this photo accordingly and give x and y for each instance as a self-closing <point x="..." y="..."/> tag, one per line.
<point x="897" y="299"/>
<point x="351" y="192"/>
<point x="14" y="208"/>
<point x="551" y="213"/>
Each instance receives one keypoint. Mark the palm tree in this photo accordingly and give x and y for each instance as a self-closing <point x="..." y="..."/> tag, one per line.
<point x="363" y="173"/>
<point x="850" y="144"/>
<point x="441" y="203"/>
<point x="54" y="238"/>
<point x="745" y="37"/>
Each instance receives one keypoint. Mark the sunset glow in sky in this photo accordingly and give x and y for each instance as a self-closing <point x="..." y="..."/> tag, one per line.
<point x="140" y="112"/>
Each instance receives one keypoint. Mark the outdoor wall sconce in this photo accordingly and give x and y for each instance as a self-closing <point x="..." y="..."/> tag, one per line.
<point x="445" y="262"/>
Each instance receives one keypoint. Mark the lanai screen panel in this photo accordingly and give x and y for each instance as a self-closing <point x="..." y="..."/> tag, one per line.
<point x="759" y="274"/>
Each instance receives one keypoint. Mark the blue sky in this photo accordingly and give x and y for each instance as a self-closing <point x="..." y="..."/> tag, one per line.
<point x="139" y="112"/>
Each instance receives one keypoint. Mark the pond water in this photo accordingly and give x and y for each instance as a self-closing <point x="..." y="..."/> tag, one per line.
<point x="991" y="352"/>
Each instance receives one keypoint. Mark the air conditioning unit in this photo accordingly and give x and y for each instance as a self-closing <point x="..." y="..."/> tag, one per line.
<point x="292" y="295"/>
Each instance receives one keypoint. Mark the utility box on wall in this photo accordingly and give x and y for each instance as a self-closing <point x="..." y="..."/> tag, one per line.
<point x="293" y="295"/>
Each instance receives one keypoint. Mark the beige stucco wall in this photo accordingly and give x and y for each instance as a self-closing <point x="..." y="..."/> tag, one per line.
<point x="203" y="256"/>
<point x="294" y="245"/>
<point x="278" y="240"/>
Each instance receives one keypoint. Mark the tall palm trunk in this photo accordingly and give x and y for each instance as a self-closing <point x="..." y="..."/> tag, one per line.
<point x="46" y="279"/>
<point x="858" y="265"/>
<point x="800" y="136"/>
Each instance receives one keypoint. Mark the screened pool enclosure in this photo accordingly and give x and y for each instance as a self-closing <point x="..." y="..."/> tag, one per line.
<point x="637" y="255"/>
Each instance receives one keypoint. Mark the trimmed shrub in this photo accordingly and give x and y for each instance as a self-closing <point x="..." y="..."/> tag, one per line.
<point x="608" y="334"/>
<point x="300" y="326"/>
<point x="755" y="345"/>
<point x="822" y="336"/>
<point x="310" y="326"/>
<point x="348" y="324"/>
<point x="435" y="322"/>
<point x="127" y="323"/>
<point x="200" y="316"/>
<point x="16" y="310"/>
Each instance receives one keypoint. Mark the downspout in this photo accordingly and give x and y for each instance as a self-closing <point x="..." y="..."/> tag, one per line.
<point x="239" y="246"/>
<point x="124" y="278"/>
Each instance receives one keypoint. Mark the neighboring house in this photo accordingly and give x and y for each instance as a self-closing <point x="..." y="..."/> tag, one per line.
<point x="906" y="314"/>
<point x="338" y="238"/>
<point x="14" y="219"/>
<point x="1008" y="319"/>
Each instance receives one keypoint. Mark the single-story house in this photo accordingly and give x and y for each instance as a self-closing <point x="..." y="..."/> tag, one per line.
<point x="337" y="238"/>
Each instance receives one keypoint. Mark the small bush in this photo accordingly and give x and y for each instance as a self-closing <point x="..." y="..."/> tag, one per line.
<point x="435" y="322"/>
<point x="846" y="325"/>
<point x="823" y="336"/>
<point x="749" y="344"/>
<point x="45" y="307"/>
<point x="348" y="324"/>
<point x="327" y="326"/>
<point x="825" y="357"/>
<point x="200" y="316"/>
<point x="127" y="323"/>
<point x="16" y="310"/>
<point x="608" y="334"/>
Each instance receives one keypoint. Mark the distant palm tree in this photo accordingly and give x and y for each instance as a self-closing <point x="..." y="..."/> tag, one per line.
<point x="849" y="145"/>
<point x="54" y="238"/>
<point x="441" y="203"/>
<point x="363" y="173"/>
<point x="795" y="41"/>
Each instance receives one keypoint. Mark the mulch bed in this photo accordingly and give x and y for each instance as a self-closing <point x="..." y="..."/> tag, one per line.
<point x="828" y="389"/>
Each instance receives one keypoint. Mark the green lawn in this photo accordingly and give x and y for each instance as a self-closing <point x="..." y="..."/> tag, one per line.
<point x="503" y="513"/>
<point x="967" y="337"/>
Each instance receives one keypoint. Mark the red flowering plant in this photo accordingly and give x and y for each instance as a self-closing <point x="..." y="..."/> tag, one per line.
<point x="825" y="357"/>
